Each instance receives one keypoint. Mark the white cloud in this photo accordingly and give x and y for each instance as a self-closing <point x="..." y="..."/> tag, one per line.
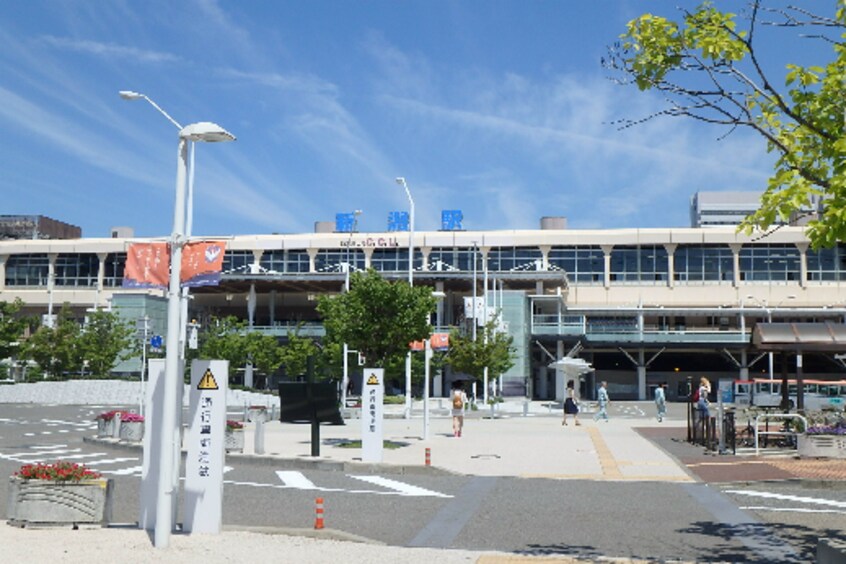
<point x="109" y="50"/>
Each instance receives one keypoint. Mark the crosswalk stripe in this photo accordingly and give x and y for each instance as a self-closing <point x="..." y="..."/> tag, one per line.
<point x="401" y="487"/>
<point x="786" y="497"/>
<point x="295" y="480"/>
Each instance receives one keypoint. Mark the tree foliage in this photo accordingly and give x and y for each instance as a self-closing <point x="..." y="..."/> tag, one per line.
<point x="491" y="348"/>
<point x="295" y="354"/>
<point x="377" y="317"/>
<point x="228" y="339"/>
<point x="12" y="327"/>
<point x="710" y="70"/>
<point x="105" y="339"/>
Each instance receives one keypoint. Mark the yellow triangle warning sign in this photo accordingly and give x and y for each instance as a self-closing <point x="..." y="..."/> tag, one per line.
<point x="207" y="382"/>
<point x="373" y="380"/>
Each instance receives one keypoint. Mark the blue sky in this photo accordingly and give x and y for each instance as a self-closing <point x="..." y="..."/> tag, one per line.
<point x="498" y="108"/>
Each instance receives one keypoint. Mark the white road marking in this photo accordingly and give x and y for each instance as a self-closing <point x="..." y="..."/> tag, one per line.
<point x="296" y="480"/>
<point x="401" y="487"/>
<point x="786" y="497"/>
<point x="123" y="472"/>
<point x="112" y="461"/>
<point x="792" y="509"/>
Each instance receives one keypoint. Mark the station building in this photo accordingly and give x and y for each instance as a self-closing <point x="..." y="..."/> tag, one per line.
<point x="641" y="306"/>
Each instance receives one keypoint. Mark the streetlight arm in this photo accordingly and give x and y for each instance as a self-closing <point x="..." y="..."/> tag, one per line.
<point x="130" y="95"/>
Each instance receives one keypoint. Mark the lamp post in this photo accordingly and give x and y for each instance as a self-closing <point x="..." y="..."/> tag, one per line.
<point x="346" y="380"/>
<point x="427" y="352"/>
<point x="168" y="487"/>
<point x="769" y="311"/>
<point x="401" y="181"/>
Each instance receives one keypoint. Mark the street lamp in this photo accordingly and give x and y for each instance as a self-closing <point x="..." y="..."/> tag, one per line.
<point x="346" y="381"/>
<point x="764" y="304"/>
<point x="427" y="357"/>
<point x="167" y="487"/>
<point x="401" y="181"/>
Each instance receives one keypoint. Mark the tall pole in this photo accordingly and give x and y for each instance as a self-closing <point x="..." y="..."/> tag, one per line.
<point x="427" y="352"/>
<point x="401" y="182"/>
<point x="166" y="495"/>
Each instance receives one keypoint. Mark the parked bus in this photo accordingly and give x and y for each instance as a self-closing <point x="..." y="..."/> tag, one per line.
<point x="763" y="392"/>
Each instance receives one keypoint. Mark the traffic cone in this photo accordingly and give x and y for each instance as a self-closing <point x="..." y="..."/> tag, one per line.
<point x="318" y="518"/>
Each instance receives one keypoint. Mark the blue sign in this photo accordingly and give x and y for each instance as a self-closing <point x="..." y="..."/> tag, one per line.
<point x="344" y="222"/>
<point x="156" y="341"/>
<point x="451" y="220"/>
<point x="398" y="221"/>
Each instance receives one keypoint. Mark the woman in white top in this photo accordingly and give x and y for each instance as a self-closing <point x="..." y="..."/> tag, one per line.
<point x="459" y="402"/>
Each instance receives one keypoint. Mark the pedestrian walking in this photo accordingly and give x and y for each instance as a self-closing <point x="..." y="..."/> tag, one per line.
<point x="702" y="402"/>
<point x="661" y="401"/>
<point x="459" y="402"/>
<point x="604" y="400"/>
<point x="571" y="406"/>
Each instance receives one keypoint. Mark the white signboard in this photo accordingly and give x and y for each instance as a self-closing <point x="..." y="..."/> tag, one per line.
<point x="150" y="470"/>
<point x="206" y="450"/>
<point x="372" y="395"/>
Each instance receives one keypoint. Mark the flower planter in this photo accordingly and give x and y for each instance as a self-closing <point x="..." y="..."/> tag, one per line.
<point x="105" y="427"/>
<point x="234" y="440"/>
<point x="46" y="502"/>
<point x="131" y="430"/>
<point x="822" y="446"/>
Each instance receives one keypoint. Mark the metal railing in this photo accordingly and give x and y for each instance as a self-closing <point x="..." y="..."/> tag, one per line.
<point x="783" y="432"/>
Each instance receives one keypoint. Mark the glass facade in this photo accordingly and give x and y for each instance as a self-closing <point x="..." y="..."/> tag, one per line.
<point x="703" y="263"/>
<point x="584" y="265"/>
<point x="769" y="263"/>
<point x="237" y="261"/>
<point x="454" y="258"/>
<point x="394" y="260"/>
<point x="77" y="270"/>
<point x="641" y="264"/>
<point x="510" y="259"/>
<point x="827" y="264"/>
<point x="113" y="275"/>
<point x="27" y="270"/>
<point x="280" y="261"/>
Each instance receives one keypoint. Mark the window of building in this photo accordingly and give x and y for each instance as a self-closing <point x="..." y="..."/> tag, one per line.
<point x="453" y="258"/>
<point x="510" y="259"/>
<point x="703" y="263"/>
<point x="237" y="261"/>
<point x="827" y="264"/>
<point x="77" y="270"/>
<point x="582" y="264"/>
<point x="769" y="263"/>
<point x="644" y="263"/>
<point x="394" y="260"/>
<point x="113" y="270"/>
<point x="27" y="270"/>
<point x="284" y="261"/>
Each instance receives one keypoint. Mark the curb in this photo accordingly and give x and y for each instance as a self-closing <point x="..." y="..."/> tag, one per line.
<point x="303" y="463"/>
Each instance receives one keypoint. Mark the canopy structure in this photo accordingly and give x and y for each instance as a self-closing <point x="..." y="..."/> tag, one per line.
<point x="824" y="336"/>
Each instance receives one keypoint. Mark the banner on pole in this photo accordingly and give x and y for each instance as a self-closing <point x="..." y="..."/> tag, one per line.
<point x="202" y="263"/>
<point x="147" y="266"/>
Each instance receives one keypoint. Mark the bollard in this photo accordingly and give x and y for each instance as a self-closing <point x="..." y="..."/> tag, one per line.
<point x="428" y="456"/>
<point x="525" y="408"/>
<point x="116" y="426"/>
<point x="258" y="446"/>
<point x="318" y="517"/>
<point x="246" y="413"/>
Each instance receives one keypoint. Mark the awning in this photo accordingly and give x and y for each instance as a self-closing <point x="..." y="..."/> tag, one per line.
<point x="823" y="337"/>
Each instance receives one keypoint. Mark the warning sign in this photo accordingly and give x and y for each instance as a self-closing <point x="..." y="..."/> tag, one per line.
<point x="373" y="380"/>
<point x="207" y="382"/>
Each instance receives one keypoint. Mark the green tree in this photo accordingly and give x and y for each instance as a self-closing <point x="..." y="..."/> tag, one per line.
<point x="105" y="339"/>
<point x="295" y="354"/>
<point x="710" y="70"/>
<point x="263" y="351"/>
<point x="55" y="348"/>
<point x="228" y="339"/>
<point x="491" y="348"/>
<point x="12" y="327"/>
<point x="377" y="317"/>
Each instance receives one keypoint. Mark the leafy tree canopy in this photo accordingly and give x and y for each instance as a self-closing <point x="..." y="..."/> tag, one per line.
<point x="491" y="348"/>
<point x="707" y="65"/>
<point x="12" y="327"/>
<point x="377" y="317"/>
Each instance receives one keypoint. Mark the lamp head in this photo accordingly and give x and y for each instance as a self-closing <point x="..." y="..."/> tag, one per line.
<point x="130" y="95"/>
<point x="400" y="180"/>
<point x="205" y="131"/>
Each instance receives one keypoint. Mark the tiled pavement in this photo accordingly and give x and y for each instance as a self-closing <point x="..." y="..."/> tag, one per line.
<point x="711" y="467"/>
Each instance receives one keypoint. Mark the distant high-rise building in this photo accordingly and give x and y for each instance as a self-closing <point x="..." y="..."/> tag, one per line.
<point x="36" y="227"/>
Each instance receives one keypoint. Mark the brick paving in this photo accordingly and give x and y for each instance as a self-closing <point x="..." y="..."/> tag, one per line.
<point x="712" y="467"/>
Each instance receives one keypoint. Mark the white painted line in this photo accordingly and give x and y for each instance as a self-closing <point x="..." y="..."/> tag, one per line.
<point x="111" y="461"/>
<point x="401" y="487"/>
<point x="49" y="447"/>
<point x="53" y="451"/>
<point x="785" y="497"/>
<point x="295" y="480"/>
<point x="124" y="472"/>
<point x="793" y="510"/>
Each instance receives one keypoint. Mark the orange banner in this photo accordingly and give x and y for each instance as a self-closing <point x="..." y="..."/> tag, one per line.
<point x="438" y="341"/>
<point x="147" y="266"/>
<point x="202" y="263"/>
